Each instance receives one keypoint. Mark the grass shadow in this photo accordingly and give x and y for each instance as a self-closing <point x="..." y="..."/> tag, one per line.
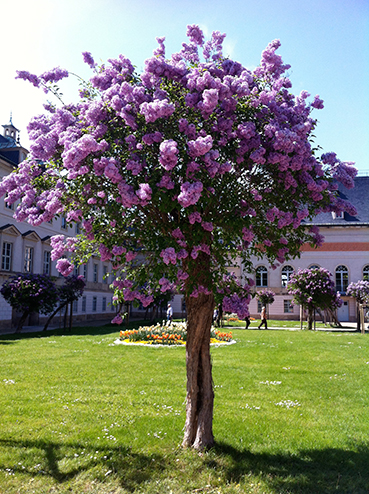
<point x="63" y="462"/>
<point x="306" y="472"/>
<point x="98" y="330"/>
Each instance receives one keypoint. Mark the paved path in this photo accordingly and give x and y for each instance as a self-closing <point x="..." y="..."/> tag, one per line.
<point x="346" y="327"/>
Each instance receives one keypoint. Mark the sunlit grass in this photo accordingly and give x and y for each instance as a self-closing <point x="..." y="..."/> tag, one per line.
<point x="80" y="414"/>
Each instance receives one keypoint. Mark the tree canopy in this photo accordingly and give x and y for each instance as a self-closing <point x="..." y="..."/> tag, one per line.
<point x="191" y="158"/>
<point x="359" y="291"/>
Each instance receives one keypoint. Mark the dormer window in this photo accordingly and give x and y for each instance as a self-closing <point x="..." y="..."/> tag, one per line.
<point x="338" y="216"/>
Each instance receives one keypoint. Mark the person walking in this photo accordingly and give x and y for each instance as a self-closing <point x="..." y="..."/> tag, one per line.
<point x="247" y="321"/>
<point x="220" y="315"/>
<point x="169" y="315"/>
<point x="263" y="317"/>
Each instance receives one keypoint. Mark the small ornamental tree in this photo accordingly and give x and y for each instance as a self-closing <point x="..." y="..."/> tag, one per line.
<point x="176" y="173"/>
<point x="314" y="289"/>
<point x="71" y="290"/>
<point x="265" y="297"/>
<point x="30" y="293"/>
<point x="233" y="295"/>
<point x="360" y="292"/>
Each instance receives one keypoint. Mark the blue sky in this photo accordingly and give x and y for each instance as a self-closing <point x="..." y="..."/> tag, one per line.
<point x="326" y="42"/>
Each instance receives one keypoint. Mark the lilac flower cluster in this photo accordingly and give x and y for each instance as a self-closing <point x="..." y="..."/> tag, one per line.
<point x="360" y="291"/>
<point x="44" y="80"/>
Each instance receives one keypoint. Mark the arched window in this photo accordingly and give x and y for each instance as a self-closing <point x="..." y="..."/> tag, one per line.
<point x="341" y="278"/>
<point x="314" y="266"/>
<point x="261" y="276"/>
<point x="366" y="273"/>
<point x="286" y="274"/>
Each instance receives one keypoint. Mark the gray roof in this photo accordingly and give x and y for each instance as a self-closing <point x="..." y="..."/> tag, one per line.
<point x="7" y="142"/>
<point x="358" y="197"/>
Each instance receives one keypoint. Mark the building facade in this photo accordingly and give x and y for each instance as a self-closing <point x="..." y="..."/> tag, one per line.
<point x="345" y="253"/>
<point x="26" y="249"/>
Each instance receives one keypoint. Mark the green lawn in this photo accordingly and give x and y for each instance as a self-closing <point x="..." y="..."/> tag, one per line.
<point x="82" y="415"/>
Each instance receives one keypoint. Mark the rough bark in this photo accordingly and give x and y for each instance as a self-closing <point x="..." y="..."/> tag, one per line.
<point x="200" y="394"/>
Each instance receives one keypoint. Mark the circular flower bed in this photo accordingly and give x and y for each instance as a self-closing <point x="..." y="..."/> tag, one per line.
<point x="171" y="335"/>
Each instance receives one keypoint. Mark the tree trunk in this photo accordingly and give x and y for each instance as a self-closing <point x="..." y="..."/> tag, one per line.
<point x="200" y="395"/>
<point x="153" y="315"/>
<point x="71" y="317"/>
<point x="21" y="321"/>
<point x="53" y="315"/>
<point x="65" y="317"/>
<point x="310" y="318"/>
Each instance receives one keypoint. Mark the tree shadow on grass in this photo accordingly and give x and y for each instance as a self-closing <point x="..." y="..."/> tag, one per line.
<point x="63" y="462"/>
<point x="306" y="472"/>
<point x="86" y="330"/>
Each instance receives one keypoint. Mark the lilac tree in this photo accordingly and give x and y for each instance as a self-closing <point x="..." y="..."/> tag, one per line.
<point x="71" y="290"/>
<point x="265" y="296"/>
<point x="360" y="292"/>
<point x="314" y="289"/>
<point x="30" y="293"/>
<point x="176" y="173"/>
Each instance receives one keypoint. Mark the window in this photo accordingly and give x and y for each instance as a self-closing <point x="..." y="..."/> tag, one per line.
<point x="259" y="306"/>
<point x="28" y="260"/>
<point x="338" y="216"/>
<point x="366" y="273"/>
<point x="286" y="275"/>
<point x="76" y="270"/>
<point x="96" y="272"/>
<point x="64" y="223"/>
<point x="341" y="278"/>
<point x="105" y="274"/>
<point x="261" y="276"/>
<point x="9" y="206"/>
<point x="6" y="257"/>
<point x="47" y="263"/>
<point x="314" y="266"/>
<point x="75" y="305"/>
<point x="84" y="303"/>
<point x="104" y="304"/>
<point x="78" y="228"/>
<point x="94" y="304"/>
<point x="287" y="307"/>
<point x="85" y="271"/>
